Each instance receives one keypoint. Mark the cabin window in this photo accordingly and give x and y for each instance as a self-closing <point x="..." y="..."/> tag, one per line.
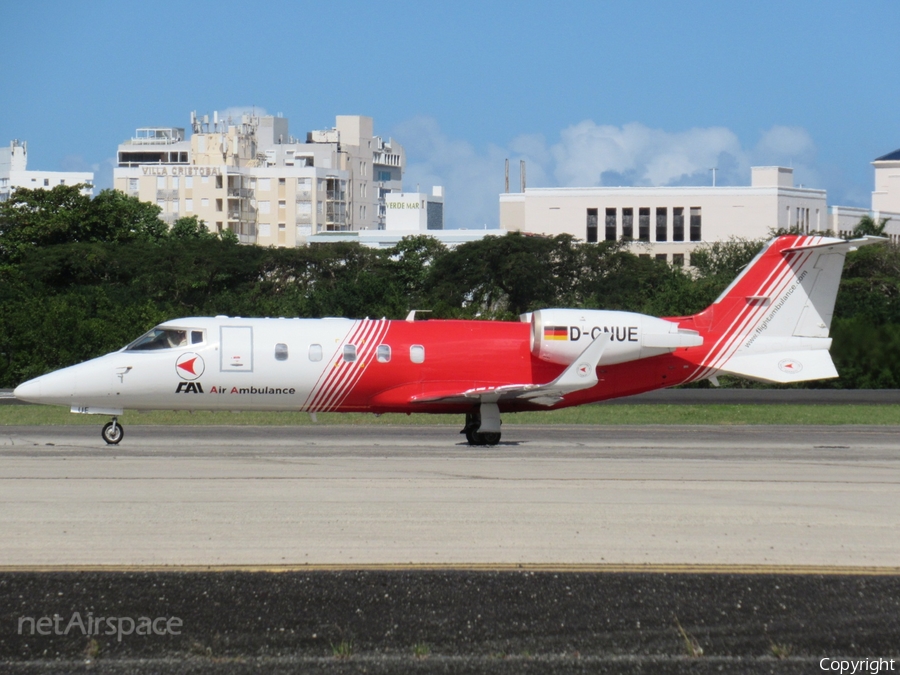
<point x="417" y="353"/>
<point x="281" y="352"/>
<point x="383" y="353"/>
<point x="160" y="338"/>
<point x="315" y="352"/>
<point x="196" y="337"/>
<point x="349" y="353"/>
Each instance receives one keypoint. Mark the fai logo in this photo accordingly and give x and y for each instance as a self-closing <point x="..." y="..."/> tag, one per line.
<point x="189" y="388"/>
<point x="189" y="366"/>
<point x="790" y="366"/>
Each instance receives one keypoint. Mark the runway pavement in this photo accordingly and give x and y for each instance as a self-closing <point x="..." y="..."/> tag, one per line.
<point x="553" y="496"/>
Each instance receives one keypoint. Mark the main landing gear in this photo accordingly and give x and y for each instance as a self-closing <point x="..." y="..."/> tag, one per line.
<point x="483" y="427"/>
<point x="113" y="432"/>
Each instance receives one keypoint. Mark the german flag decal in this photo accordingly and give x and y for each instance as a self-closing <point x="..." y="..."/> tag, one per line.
<point x="556" y="333"/>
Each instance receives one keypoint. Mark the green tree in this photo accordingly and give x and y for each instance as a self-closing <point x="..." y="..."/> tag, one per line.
<point x="868" y="226"/>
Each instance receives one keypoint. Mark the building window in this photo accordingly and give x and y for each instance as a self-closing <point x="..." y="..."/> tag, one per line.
<point x="628" y="223"/>
<point x="678" y="259"/>
<point x="610" y="225"/>
<point x="160" y="182"/>
<point x="678" y="223"/>
<point x="219" y="181"/>
<point x="662" y="224"/>
<point x="174" y="206"/>
<point x="175" y="182"/>
<point x="265" y="230"/>
<point x="383" y="353"/>
<point x="46" y="182"/>
<point x="591" y="226"/>
<point x="218" y="205"/>
<point x="189" y="205"/>
<point x="281" y="204"/>
<point x="204" y="203"/>
<point x="662" y="257"/>
<point x="281" y="181"/>
<point x="188" y="182"/>
<point x="264" y="206"/>
<point x="132" y="184"/>
<point x="695" y="224"/>
<point x="644" y="224"/>
<point x="646" y="256"/>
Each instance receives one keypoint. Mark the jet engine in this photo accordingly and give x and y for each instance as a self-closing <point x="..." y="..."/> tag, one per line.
<point x="560" y="335"/>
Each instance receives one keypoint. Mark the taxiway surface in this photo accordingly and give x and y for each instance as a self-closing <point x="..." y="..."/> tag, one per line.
<point x="396" y="495"/>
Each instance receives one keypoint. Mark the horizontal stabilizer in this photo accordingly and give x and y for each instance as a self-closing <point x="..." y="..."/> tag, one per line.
<point x="782" y="367"/>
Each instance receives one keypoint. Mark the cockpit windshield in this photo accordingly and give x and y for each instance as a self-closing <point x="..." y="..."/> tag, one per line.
<point x="160" y="338"/>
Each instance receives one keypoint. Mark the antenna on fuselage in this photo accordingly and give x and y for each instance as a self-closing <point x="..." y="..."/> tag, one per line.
<point x="411" y="317"/>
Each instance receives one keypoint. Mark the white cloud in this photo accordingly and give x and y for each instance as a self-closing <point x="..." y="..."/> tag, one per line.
<point x="588" y="154"/>
<point x="103" y="170"/>
<point x="470" y="179"/>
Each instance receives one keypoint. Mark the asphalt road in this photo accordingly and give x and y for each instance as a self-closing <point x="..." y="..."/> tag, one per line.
<point x="822" y="496"/>
<point x="563" y="550"/>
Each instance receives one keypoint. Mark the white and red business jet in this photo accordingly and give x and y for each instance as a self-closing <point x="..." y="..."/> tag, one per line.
<point x="770" y="324"/>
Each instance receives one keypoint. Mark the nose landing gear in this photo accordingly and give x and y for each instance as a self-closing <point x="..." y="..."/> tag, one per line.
<point x="113" y="432"/>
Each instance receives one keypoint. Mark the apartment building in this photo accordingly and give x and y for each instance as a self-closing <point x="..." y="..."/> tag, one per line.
<point x="250" y="176"/>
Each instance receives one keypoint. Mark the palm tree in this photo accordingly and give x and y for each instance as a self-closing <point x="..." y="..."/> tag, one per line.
<point x="867" y="225"/>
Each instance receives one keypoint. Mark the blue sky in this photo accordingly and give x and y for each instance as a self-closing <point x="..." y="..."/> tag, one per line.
<point x="588" y="93"/>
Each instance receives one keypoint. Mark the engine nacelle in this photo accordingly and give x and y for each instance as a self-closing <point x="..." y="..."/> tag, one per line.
<point x="560" y="335"/>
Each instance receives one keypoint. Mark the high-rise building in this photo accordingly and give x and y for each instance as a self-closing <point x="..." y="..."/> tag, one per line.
<point x="250" y="176"/>
<point x="14" y="173"/>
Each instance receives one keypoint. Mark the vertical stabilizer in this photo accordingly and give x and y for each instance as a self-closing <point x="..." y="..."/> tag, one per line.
<point x="772" y="322"/>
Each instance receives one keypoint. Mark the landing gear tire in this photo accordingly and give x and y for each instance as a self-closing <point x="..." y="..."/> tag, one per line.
<point x="473" y="436"/>
<point x="491" y="438"/>
<point x="113" y="432"/>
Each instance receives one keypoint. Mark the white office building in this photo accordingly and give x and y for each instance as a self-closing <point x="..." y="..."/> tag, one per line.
<point x="885" y="201"/>
<point x="414" y="211"/>
<point x="250" y="176"/>
<point x="669" y="222"/>
<point x="14" y="173"/>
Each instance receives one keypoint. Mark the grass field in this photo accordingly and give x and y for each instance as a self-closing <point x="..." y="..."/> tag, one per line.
<point x="589" y="414"/>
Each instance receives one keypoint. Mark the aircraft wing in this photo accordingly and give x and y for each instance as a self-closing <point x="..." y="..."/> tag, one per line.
<point x="581" y="374"/>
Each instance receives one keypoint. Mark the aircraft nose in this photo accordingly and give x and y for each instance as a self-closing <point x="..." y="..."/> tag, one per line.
<point x="57" y="387"/>
<point x="29" y="391"/>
